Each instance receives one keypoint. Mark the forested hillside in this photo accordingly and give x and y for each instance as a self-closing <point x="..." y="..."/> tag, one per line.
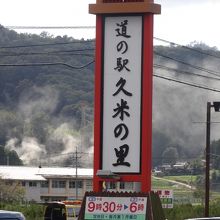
<point x="46" y="98"/>
<point x="46" y="83"/>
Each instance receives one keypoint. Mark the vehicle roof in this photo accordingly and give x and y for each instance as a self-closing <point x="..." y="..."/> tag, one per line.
<point x="205" y="218"/>
<point x="52" y="203"/>
<point x="65" y="202"/>
<point x="6" y="214"/>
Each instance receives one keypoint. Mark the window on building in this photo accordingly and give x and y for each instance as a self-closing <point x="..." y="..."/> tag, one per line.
<point x="89" y="185"/>
<point x="23" y="183"/>
<point x="74" y="184"/>
<point x="111" y="185"/>
<point x="58" y="184"/>
<point x="32" y="184"/>
<point x="44" y="184"/>
<point x="129" y="186"/>
<point x="79" y="184"/>
<point x="55" y="184"/>
<point x="44" y="198"/>
<point x="122" y="185"/>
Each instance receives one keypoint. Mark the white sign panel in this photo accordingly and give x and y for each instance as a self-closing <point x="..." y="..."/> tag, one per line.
<point x="116" y="208"/>
<point x="166" y="198"/>
<point x="122" y="94"/>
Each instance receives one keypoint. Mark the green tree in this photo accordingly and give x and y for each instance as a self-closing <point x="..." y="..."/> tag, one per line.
<point x="197" y="166"/>
<point x="8" y="157"/>
<point x="11" y="191"/>
<point x="215" y="152"/>
<point x="8" y="125"/>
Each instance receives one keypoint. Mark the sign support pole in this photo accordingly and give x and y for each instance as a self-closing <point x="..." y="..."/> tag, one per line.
<point x="97" y="185"/>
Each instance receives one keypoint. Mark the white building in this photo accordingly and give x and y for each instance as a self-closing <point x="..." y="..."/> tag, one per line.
<point x="54" y="183"/>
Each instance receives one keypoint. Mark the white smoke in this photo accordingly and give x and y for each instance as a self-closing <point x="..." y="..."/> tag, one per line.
<point x="62" y="139"/>
<point x="28" y="150"/>
<point x="36" y="100"/>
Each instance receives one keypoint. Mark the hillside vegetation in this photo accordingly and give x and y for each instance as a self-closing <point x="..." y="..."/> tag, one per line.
<point x="47" y="91"/>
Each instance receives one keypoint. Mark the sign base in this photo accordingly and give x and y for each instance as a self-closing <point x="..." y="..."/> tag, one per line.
<point x="121" y="205"/>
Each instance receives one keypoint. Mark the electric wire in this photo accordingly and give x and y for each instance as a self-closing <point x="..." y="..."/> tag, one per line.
<point x="187" y="83"/>
<point x="188" y="48"/>
<point x="89" y="63"/>
<point x="56" y="52"/>
<point x="215" y="73"/>
<point x="93" y="27"/>
<point x="91" y="49"/>
<point x="157" y="66"/>
<point x="47" y="44"/>
<point x="47" y="64"/>
<point x="50" y="27"/>
<point x="69" y="52"/>
<point x="84" y="66"/>
<point x="214" y="155"/>
<point x="80" y="67"/>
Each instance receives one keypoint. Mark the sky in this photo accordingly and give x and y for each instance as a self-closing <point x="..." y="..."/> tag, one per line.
<point x="181" y="22"/>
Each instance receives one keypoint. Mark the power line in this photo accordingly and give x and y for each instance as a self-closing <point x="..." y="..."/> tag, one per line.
<point x="61" y="52"/>
<point x="215" y="155"/>
<point x="90" y="27"/>
<point x="56" y="52"/>
<point x="50" y="27"/>
<point x="89" y="63"/>
<point x="80" y="50"/>
<point x="47" y="44"/>
<point x="48" y="64"/>
<point x="93" y="27"/>
<point x="187" y="83"/>
<point x="80" y="67"/>
<point x="157" y="66"/>
<point x="215" y="73"/>
<point x="65" y="154"/>
<point x="188" y="48"/>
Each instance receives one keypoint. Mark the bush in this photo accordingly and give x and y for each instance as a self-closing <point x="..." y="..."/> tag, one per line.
<point x="30" y="211"/>
<point x="181" y="212"/>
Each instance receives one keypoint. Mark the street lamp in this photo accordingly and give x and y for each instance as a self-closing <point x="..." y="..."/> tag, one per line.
<point x="216" y="106"/>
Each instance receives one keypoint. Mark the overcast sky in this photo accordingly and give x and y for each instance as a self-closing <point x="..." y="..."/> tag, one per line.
<point x="181" y="21"/>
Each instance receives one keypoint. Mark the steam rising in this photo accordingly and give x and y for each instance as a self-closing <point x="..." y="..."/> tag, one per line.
<point x="29" y="149"/>
<point x="61" y="139"/>
<point x="179" y="111"/>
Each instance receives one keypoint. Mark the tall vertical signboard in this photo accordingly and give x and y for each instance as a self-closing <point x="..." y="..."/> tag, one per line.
<point x="123" y="89"/>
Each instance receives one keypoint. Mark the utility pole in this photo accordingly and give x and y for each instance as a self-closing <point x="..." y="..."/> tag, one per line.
<point x="8" y="160"/>
<point x="207" y="173"/>
<point x="76" y="182"/>
<point x="216" y="106"/>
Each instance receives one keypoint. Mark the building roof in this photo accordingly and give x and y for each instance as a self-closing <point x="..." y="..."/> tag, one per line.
<point x="41" y="174"/>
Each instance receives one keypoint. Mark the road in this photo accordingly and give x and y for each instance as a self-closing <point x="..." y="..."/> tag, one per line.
<point x="176" y="182"/>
